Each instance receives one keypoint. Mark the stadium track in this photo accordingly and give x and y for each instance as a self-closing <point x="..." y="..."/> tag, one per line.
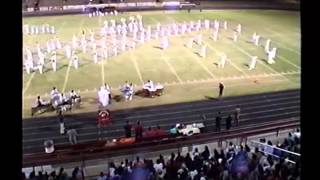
<point x="255" y="109"/>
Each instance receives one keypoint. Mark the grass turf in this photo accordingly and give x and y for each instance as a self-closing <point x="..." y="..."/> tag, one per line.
<point x="177" y="64"/>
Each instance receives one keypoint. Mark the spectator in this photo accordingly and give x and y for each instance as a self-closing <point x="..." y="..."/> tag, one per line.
<point x="218" y="122"/>
<point x="297" y="133"/>
<point x="61" y="120"/>
<point x="173" y="130"/>
<point x="32" y="175"/>
<point x="77" y="174"/>
<point x="158" y="167"/>
<point x="161" y="159"/>
<point x="52" y="176"/>
<point x="138" y="163"/>
<point x="196" y="152"/>
<point x="127" y="129"/>
<point x="138" y="131"/>
<point x="62" y="174"/>
<point x="188" y="161"/>
<point x="149" y="133"/>
<point x="179" y="159"/>
<point x="206" y="153"/>
<point x="40" y="176"/>
<point x="102" y="176"/>
<point x="228" y="122"/>
<point x="72" y="134"/>
<point x="120" y="169"/>
<point x="237" y="115"/>
<point x="111" y="169"/>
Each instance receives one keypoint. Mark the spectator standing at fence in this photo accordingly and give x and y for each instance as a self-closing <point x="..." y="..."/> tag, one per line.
<point x="218" y="121"/>
<point x="138" y="131"/>
<point x="127" y="129"/>
<point x="237" y="115"/>
<point x="61" y="120"/>
<point x="228" y="122"/>
<point x="72" y="134"/>
<point x="221" y="88"/>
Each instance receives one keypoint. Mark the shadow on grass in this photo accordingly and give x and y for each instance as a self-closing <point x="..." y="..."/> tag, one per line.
<point x="198" y="54"/>
<point x="61" y="67"/>
<point x="231" y="38"/>
<point x="158" y="47"/>
<point x="265" y="61"/>
<point x="90" y="100"/>
<point x="84" y="64"/>
<point x="211" y="98"/>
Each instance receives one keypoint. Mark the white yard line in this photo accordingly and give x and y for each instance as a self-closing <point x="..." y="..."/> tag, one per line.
<point x="198" y="60"/>
<point x="28" y="83"/>
<point x="289" y="62"/>
<point x="217" y="53"/>
<point x="133" y="59"/>
<point x="172" y="69"/>
<point x="281" y="44"/>
<point x="66" y="77"/>
<point x="69" y="65"/>
<point x="210" y="80"/>
<point x="248" y="54"/>
<point x="102" y="71"/>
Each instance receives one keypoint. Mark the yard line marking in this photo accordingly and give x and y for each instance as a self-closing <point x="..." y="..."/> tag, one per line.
<point x="246" y="53"/>
<point x="288" y="61"/>
<point x="152" y="19"/>
<point x="133" y="59"/>
<point x="66" y="77"/>
<point x="217" y="53"/>
<point x="28" y="83"/>
<point x="281" y="44"/>
<point x="198" y="60"/>
<point x="172" y="69"/>
<point x="102" y="71"/>
<point x="216" y="80"/>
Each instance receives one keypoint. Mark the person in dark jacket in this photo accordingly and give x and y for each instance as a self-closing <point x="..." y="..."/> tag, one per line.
<point x="218" y="122"/>
<point x="221" y="88"/>
<point x="138" y="131"/>
<point x="228" y="122"/>
<point x="127" y="129"/>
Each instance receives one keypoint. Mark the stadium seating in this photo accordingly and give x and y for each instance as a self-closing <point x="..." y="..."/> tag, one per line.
<point x="232" y="161"/>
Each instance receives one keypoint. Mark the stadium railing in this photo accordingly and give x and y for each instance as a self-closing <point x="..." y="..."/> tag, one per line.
<point x="289" y="156"/>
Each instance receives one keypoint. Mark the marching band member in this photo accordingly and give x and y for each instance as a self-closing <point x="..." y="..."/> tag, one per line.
<point x="54" y="93"/>
<point x="74" y="97"/>
<point x="40" y="102"/>
<point x="267" y="46"/>
<point x="54" y="61"/>
<point x="253" y="62"/>
<point x="75" y="61"/>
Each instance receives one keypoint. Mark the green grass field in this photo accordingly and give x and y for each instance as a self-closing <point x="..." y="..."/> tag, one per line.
<point x="185" y="75"/>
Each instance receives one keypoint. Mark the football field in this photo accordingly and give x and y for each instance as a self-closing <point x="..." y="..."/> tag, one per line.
<point x="185" y="75"/>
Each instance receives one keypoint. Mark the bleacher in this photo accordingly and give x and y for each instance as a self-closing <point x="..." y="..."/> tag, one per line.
<point x="252" y="160"/>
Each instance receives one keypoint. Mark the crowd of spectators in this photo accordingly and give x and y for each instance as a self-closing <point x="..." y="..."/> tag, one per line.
<point x="231" y="163"/>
